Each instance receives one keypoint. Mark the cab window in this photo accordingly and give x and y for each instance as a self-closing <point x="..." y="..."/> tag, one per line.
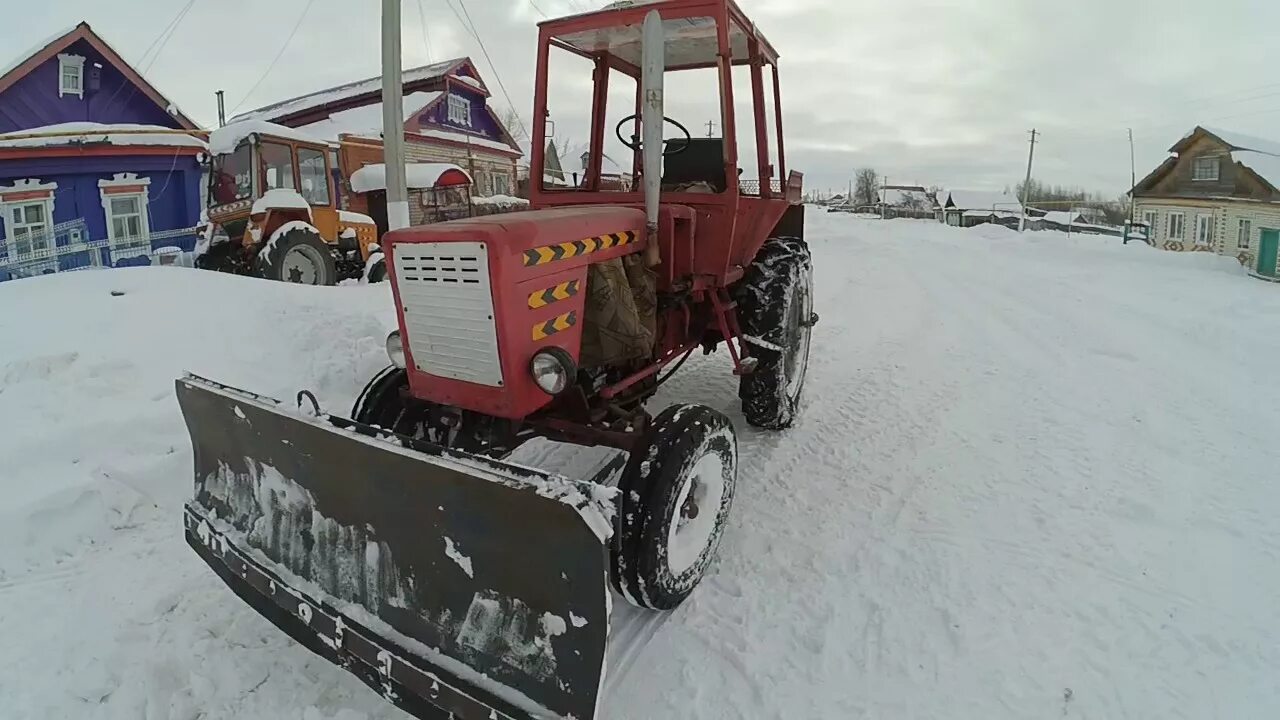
<point x="315" y="183"/>
<point x="277" y="166"/>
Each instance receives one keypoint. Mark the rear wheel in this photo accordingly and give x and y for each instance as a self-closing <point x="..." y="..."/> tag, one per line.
<point x="676" y="492"/>
<point x="776" y="301"/>
<point x="299" y="256"/>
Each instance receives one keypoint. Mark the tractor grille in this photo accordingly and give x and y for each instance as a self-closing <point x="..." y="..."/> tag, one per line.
<point x="448" y="310"/>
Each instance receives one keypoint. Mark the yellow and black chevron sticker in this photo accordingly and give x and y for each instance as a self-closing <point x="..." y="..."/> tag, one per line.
<point x="543" y="298"/>
<point x="551" y="253"/>
<point x="544" y="330"/>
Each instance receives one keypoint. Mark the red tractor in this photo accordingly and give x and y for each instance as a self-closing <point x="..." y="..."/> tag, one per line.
<point x="399" y="543"/>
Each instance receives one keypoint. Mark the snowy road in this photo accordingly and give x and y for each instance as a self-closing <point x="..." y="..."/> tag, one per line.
<point x="1034" y="477"/>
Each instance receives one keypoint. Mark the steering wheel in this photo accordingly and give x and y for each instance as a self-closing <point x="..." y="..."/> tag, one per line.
<point x="636" y="144"/>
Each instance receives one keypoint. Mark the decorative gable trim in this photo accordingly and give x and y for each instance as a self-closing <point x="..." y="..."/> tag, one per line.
<point x="86" y="33"/>
<point x="71" y="62"/>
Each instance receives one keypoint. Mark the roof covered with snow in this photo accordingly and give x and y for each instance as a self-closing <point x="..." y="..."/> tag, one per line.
<point x="418" y="176"/>
<point x="50" y="46"/>
<point x="348" y="91"/>
<point x="466" y="139"/>
<point x="367" y="119"/>
<point x="91" y="133"/>
<point x="902" y="198"/>
<point x="982" y="200"/>
<point x="226" y="139"/>
<point x="1258" y="154"/>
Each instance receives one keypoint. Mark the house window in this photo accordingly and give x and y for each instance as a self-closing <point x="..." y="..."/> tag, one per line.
<point x="1149" y="218"/>
<point x="29" y="228"/>
<point x="70" y="75"/>
<point x="126" y="224"/>
<point x="501" y="184"/>
<point x="1177" y="226"/>
<point x="459" y="110"/>
<point x="1204" y="168"/>
<point x="1244" y="234"/>
<point x="1204" y="230"/>
<point x="315" y="183"/>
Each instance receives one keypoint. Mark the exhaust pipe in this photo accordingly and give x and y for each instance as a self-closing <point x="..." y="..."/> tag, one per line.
<point x="652" y="64"/>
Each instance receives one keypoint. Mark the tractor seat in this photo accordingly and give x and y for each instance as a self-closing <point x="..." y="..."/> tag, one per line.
<point x="698" y="166"/>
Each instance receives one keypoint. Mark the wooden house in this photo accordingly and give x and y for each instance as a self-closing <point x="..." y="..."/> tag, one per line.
<point x="97" y="168"/>
<point x="1218" y="191"/>
<point x="447" y="120"/>
<point x="966" y="208"/>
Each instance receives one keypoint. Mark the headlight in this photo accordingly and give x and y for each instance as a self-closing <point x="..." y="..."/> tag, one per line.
<point x="395" y="349"/>
<point x="553" y="370"/>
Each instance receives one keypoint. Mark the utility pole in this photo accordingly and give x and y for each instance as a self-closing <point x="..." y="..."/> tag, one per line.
<point x="222" y="111"/>
<point x="1133" y="177"/>
<point x="1026" y="185"/>
<point x="393" y="118"/>
<point x="711" y="127"/>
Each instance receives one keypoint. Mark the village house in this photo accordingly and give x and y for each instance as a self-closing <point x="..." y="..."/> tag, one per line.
<point x="906" y="201"/>
<point x="1218" y="191"/>
<point x="966" y="208"/>
<point x="97" y="168"/>
<point x="447" y="120"/>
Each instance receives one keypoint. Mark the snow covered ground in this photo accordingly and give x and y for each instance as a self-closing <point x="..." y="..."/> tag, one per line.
<point x="1034" y="477"/>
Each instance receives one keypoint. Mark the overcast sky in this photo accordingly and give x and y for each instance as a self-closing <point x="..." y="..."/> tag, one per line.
<point x="938" y="92"/>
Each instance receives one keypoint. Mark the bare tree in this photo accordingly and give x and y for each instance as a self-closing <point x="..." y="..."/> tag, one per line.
<point x="866" y="190"/>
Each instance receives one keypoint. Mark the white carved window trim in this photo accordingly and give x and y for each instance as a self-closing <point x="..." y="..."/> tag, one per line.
<point x="29" y="185"/>
<point x="127" y="247"/>
<point x="1204" y="230"/>
<point x="459" y="110"/>
<point x="1176" y="226"/>
<point x="71" y="67"/>
<point x="1244" y="234"/>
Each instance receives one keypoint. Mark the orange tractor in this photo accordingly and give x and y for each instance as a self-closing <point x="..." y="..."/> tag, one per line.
<point x="398" y="542"/>
<point x="273" y="211"/>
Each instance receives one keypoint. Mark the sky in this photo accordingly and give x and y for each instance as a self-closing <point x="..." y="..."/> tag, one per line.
<point x="931" y="92"/>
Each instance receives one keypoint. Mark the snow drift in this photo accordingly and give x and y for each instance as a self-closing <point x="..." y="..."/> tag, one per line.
<point x="1032" y="478"/>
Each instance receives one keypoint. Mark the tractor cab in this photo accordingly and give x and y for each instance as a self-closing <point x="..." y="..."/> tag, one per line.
<point x="721" y="174"/>
<point x="265" y="177"/>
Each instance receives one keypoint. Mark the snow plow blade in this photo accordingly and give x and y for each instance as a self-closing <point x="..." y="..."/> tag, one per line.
<point x="455" y="586"/>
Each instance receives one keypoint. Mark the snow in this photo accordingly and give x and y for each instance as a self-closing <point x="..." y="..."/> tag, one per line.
<point x="1240" y="141"/>
<point x="469" y="80"/>
<point x="419" y="176"/>
<point x="457" y="557"/>
<point x="1266" y="165"/>
<point x="73" y="133"/>
<point x="281" y="198"/>
<point x="499" y="200"/>
<point x="280" y="232"/>
<point x="347" y="216"/>
<point x="1020" y="486"/>
<point x="345" y="92"/>
<point x="366" y="119"/>
<point x="226" y="139"/>
<point x="468" y="139"/>
<point x="981" y="200"/>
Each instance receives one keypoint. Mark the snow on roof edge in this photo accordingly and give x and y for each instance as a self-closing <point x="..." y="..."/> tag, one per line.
<point x="346" y="90"/>
<point x="22" y="58"/>
<point x="119" y="134"/>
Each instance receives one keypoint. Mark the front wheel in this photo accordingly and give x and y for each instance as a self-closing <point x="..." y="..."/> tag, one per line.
<point x="676" y="492"/>
<point x="299" y="256"/>
<point x="776" y="301"/>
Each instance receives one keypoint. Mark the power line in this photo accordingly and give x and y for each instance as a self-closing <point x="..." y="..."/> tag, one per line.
<point x="306" y="8"/>
<point x="496" y="75"/>
<point x="535" y="7"/>
<point x="426" y="41"/>
<point x="164" y="36"/>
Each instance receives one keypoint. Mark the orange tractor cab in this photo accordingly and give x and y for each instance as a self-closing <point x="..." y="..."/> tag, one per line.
<point x="273" y="210"/>
<point x="398" y="542"/>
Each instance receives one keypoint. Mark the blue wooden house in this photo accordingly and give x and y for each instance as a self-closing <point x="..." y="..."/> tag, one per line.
<point x="97" y="168"/>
